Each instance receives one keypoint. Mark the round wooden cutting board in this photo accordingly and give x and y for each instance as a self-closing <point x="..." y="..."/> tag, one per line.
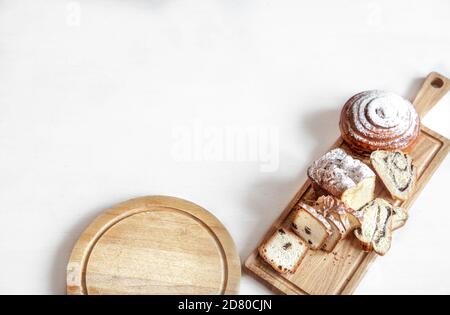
<point x="154" y="245"/>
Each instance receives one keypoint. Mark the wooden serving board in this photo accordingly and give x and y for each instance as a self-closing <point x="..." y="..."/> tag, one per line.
<point x="341" y="271"/>
<point x="154" y="245"/>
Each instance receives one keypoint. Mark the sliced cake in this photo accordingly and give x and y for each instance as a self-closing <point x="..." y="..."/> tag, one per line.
<point x="337" y="173"/>
<point x="396" y="171"/>
<point x="284" y="251"/>
<point x="336" y="235"/>
<point x="375" y="232"/>
<point x="346" y="216"/>
<point x="341" y="218"/>
<point x="311" y="226"/>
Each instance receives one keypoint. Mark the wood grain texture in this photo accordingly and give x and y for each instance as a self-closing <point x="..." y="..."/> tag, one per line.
<point x="154" y="245"/>
<point x="341" y="271"/>
<point x="433" y="89"/>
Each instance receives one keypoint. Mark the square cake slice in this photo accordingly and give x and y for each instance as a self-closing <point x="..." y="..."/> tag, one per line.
<point x="312" y="227"/>
<point x="284" y="251"/>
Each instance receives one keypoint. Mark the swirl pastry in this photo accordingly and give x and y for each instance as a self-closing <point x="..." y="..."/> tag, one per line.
<point x="375" y="120"/>
<point x="396" y="171"/>
<point x="375" y="232"/>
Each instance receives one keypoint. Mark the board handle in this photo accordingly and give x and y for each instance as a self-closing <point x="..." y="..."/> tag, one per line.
<point x="433" y="89"/>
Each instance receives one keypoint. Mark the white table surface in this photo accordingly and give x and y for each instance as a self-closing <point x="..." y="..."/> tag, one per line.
<point x="102" y="101"/>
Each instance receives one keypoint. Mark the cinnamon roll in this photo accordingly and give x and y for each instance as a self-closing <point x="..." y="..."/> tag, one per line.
<point x="374" y="120"/>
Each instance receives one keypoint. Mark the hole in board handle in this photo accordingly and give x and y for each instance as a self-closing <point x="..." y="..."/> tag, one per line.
<point x="437" y="83"/>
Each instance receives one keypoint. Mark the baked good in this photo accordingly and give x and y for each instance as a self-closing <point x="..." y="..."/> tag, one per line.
<point x="396" y="171"/>
<point x="340" y="217"/>
<point x="379" y="120"/>
<point x="284" y="251"/>
<point x="346" y="216"/>
<point x="375" y="232"/>
<point x="337" y="173"/>
<point x="399" y="218"/>
<point x="323" y="225"/>
<point x="338" y="233"/>
<point x="311" y="226"/>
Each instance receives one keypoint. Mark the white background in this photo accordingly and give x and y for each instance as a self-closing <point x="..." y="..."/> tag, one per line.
<point x="92" y="91"/>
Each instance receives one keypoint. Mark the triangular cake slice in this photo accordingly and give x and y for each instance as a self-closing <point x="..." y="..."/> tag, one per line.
<point x="284" y="251"/>
<point x="396" y="171"/>
<point x="375" y="232"/>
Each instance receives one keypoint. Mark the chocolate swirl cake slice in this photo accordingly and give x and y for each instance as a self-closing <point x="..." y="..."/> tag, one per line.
<point x="375" y="232"/>
<point x="396" y="172"/>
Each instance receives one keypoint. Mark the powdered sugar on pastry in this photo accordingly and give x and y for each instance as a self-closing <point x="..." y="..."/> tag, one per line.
<point x="379" y="120"/>
<point x="339" y="171"/>
<point x="339" y="174"/>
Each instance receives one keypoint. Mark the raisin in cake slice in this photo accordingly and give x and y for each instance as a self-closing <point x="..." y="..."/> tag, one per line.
<point x="375" y="232"/>
<point x="337" y="173"/>
<point x="284" y="251"/>
<point x="396" y="171"/>
<point x="312" y="227"/>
